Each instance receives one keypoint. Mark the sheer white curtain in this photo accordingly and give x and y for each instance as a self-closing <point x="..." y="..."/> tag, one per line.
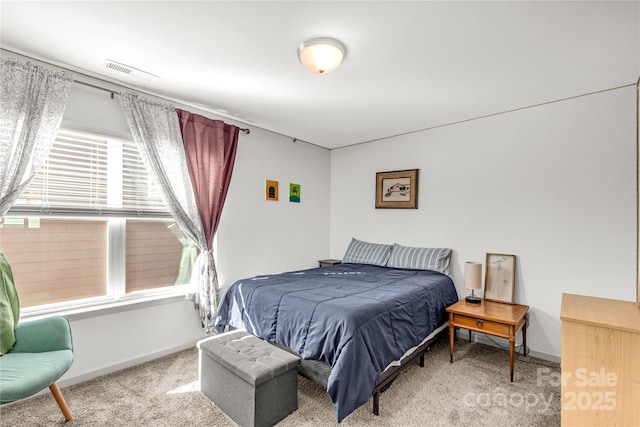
<point x="156" y="130"/>
<point x="32" y="102"/>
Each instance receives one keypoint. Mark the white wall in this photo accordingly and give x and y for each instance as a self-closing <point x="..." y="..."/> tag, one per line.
<point x="118" y="338"/>
<point x="254" y="236"/>
<point x="258" y="236"/>
<point x="554" y="185"/>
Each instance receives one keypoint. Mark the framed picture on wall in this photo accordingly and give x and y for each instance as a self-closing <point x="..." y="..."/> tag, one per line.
<point x="397" y="189"/>
<point x="500" y="278"/>
<point x="294" y="192"/>
<point x="271" y="190"/>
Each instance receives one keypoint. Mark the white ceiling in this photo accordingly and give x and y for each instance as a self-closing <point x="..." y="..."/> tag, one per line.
<point x="409" y="65"/>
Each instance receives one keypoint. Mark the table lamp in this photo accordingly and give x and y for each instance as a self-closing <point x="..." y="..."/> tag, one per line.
<point x="473" y="280"/>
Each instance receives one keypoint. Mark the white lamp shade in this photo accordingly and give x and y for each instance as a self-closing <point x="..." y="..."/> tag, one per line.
<point x="473" y="275"/>
<point x="321" y="55"/>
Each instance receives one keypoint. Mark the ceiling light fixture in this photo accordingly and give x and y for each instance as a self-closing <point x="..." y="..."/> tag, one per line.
<point x="321" y="55"/>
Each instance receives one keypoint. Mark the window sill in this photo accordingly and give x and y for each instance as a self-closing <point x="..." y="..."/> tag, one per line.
<point x="103" y="308"/>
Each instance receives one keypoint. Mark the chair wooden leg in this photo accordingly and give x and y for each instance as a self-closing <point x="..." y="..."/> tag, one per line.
<point x="57" y="394"/>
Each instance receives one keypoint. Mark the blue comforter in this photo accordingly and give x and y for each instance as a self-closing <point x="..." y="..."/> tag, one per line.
<point x="357" y="318"/>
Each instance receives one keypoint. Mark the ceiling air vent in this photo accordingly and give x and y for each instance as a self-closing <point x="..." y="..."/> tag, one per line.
<point x="126" y="69"/>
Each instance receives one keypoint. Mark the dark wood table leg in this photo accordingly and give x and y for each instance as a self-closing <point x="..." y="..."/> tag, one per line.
<point x="452" y="334"/>
<point x="512" y="350"/>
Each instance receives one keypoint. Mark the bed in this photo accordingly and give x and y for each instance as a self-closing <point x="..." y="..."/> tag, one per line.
<point x="362" y="318"/>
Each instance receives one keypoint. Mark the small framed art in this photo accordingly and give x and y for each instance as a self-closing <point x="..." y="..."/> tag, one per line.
<point x="397" y="189"/>
<point x="294" y="192"/>
<point x="500" y="278"/>
<point x="271" y="190"/>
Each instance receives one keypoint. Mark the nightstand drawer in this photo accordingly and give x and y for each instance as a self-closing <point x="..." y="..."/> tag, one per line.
<point x="481" y="325"/>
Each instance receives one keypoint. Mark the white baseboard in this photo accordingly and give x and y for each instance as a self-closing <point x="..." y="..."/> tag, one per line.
<point x="77" y="379"/>
<point x="463" y="334"/>
<point x="66" y="382"/>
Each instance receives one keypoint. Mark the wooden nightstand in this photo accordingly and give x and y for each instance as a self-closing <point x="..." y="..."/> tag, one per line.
<point x="328" y="262"/>
<point x="489" y="317"/>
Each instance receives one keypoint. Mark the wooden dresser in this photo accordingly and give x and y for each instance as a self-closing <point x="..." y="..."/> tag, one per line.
<point x="600" y="365"/>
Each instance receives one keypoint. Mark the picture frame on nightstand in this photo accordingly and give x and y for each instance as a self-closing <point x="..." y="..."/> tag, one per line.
<point x="500" y="278"/>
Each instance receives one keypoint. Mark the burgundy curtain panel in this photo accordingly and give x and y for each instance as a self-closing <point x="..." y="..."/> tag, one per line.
<point x="210" y="147"/>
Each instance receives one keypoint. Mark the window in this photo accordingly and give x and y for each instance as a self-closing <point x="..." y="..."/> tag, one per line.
<point x="91" y="227"/>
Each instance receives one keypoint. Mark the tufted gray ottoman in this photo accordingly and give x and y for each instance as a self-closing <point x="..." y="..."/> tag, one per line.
<point x="252" y="381"/>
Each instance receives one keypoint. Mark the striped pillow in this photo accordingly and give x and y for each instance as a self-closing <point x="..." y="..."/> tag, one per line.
<point x="359" y="252"/>
<point x="436" y="259"/>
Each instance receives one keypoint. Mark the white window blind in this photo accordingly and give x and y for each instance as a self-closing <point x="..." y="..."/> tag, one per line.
<point x="88" y="174"/>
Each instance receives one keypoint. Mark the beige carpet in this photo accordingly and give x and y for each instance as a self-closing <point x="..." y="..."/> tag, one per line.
<point x="473" y="391"/>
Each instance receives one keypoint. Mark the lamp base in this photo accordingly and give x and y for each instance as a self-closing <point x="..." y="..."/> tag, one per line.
<point x="471" y="299"/>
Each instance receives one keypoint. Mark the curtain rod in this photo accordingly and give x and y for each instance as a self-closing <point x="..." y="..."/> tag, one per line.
<point x="246" y="131"/>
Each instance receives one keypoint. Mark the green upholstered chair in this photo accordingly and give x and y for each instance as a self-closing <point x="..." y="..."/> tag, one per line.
<point x="41" y="354"/>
